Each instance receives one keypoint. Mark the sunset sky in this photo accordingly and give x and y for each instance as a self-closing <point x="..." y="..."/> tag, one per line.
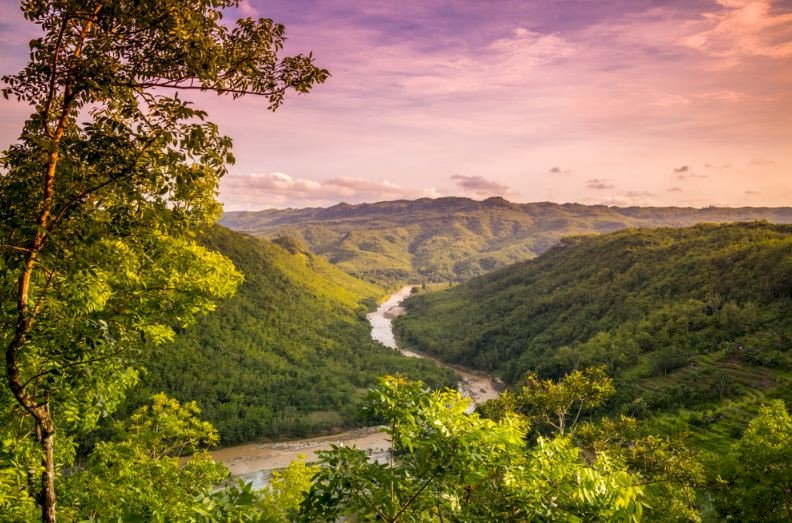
<point x="630" y="102"/>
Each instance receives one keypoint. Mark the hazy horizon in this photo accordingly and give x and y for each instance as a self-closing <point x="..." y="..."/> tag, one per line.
<point x="483" y="198"/>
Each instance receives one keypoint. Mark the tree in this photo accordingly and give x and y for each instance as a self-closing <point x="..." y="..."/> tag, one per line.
<point x="453" y="466"/>
<point x="140" y="476"/>
<point x="558" y="405"/>
<point x="669" y="470"/>
<point x="100" y="196"/>
<point x="755" y="479"/>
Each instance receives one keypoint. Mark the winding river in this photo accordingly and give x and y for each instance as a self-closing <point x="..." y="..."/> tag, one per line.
<point x="255" y="462"/>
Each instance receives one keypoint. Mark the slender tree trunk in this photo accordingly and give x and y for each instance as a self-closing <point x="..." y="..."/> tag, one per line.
<point x="48" y="477"/>
<point x="45" y="425"/>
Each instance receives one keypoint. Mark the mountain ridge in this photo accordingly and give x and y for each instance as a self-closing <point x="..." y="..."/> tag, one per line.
<point x="453" y="239"/>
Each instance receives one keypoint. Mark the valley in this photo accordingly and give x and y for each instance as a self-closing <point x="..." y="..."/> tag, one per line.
<point x="295" y="320"/>
<point x="254" y="462"/>
<point x="691" y="325"/>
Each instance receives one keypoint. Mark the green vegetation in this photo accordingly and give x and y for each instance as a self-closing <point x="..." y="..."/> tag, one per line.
<point x="455" y="239"/>
<point x="693" y="322"/>
<point x="756" y="479"/>
<point x="453" y="466"/>
<point x="289" y="355"/>
<point x="109" y="268"/>
<point x="99" y="196"/>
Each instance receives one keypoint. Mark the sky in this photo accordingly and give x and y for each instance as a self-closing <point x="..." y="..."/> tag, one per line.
<point x="629" y="102"/>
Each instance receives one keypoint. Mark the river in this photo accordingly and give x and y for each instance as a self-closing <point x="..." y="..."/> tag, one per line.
<point x="255" y="462"/>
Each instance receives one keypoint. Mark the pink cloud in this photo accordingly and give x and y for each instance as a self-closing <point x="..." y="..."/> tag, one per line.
<point x="422" y="90"/>
<point x="263" y="190"/>
<point x="480" y="187"/>
<point x="630" y="198"/>
<point x="744" y="29"/>
<point x="504" y="62"/>
<point x="247" y="9"/>
<point x="599" y="184"/>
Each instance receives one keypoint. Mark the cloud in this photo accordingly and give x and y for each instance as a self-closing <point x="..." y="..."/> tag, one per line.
<point x="687" y="176"/>
<point x="246" y="8"/>
<point x="599" y="184"/>
<point x="502" y="63"/>
<point x="559" y="170"/>
<point x="675" y="189"/>
<point x="718" y="167"/>
<point x="684" y="172"/>
<point x="724" y="95"/>
<point x="480" y="186"/>
<point x="631" y="198"/>
<point x="276" y="189"/>
<point x="751" y="193"/>
<point x="526" y="49"/>
<point x="744" y="29"/>
<point x="761" y="162"/>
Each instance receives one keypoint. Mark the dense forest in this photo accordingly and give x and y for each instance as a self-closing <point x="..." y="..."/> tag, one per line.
<point x="295" y="320"/>
<point x="693" y="318"/>
<point x="455" y="239"/>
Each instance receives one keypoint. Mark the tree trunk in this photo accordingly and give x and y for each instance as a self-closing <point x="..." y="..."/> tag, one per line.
<point x="47" y="499"/>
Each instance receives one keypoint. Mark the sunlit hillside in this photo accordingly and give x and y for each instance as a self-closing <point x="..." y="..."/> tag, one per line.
<point x="454" y="239"/>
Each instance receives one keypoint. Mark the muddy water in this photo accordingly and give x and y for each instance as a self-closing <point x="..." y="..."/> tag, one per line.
<point x="255" y="462"/>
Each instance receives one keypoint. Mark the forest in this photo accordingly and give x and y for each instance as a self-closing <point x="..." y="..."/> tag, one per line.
<point x="294" y="320"/>
<point x="690" y="321"/>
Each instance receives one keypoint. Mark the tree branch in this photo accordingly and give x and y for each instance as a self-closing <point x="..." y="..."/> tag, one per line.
<point x="74" y="364"/>
<point x="220" y="90"/>
<point x="53" y="76"/>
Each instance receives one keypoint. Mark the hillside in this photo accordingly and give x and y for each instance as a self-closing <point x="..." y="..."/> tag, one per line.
<point x="288" y="355"/>
<point x="695" y="318"/>
<point x="455" y="239"/>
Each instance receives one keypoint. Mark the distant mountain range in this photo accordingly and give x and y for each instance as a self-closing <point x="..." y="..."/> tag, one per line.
<point x="455" y="239"/>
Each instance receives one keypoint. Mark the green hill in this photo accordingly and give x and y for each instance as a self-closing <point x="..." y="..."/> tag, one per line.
<point x="696" y="318"/>
<point x="288" y="355"/>
<point x="454" y="239"/>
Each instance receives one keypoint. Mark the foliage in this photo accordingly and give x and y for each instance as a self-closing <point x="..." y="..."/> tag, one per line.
<point x="668" y="469"/>
<point x="680" y="317"/>
<point x="450" y="465"/>
<point x="100" y="196"/>
<point x="455" y="239"/>
<point x="671" y="471"/>
<point x="155" y="468"/>
<point x="560" y="404"/>
<point x="755" y="480"/>
<point x="296" y="320"/>
<point x="277" y="502"/>
<point x="140" y="476"/>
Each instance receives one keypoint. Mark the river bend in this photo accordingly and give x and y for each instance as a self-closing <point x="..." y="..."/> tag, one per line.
<point x="255" y="462"/>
